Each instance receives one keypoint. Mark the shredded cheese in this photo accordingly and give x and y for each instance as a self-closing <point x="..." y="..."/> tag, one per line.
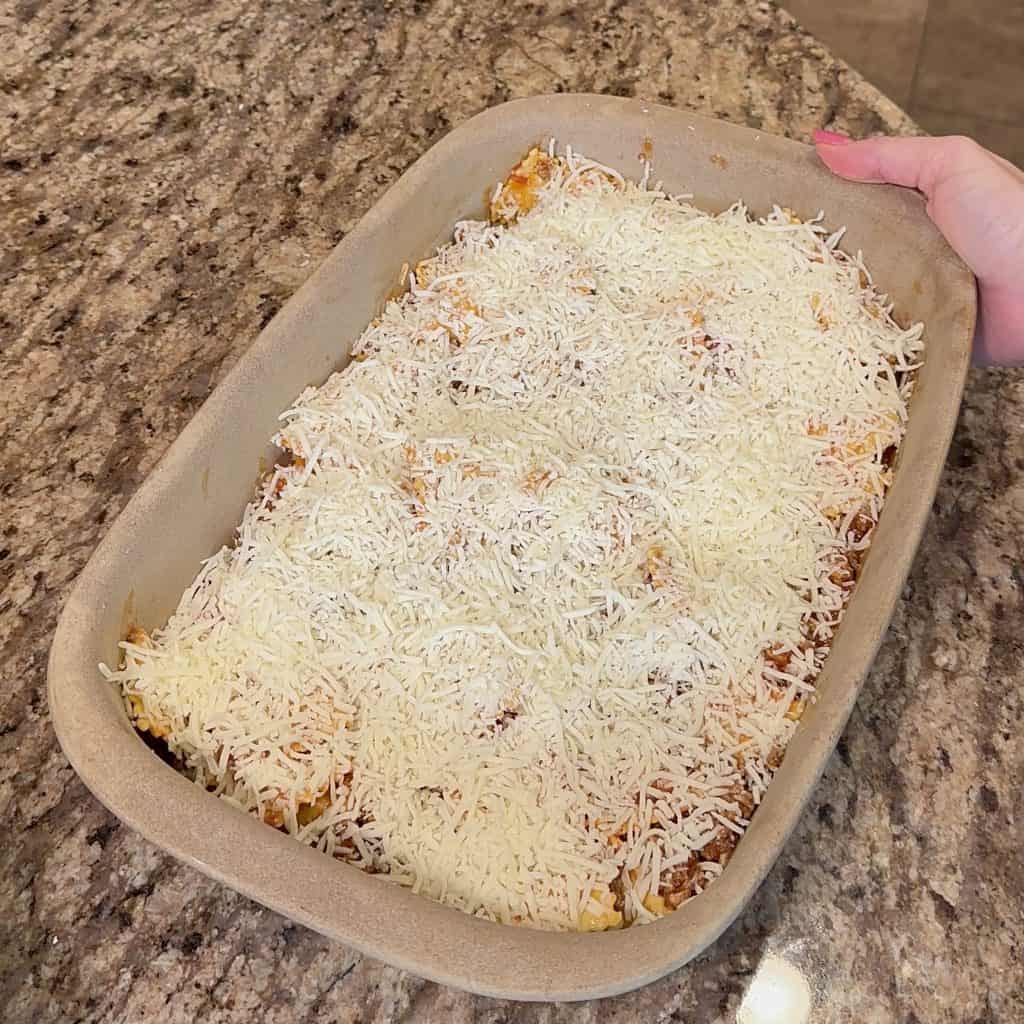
<point x="528" y="618"/>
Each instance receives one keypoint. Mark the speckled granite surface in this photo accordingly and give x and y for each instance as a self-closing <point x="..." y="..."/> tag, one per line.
<point x="167" y="179"/>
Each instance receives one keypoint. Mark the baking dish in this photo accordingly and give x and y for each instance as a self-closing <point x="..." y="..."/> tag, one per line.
<point x="197" y="492"/>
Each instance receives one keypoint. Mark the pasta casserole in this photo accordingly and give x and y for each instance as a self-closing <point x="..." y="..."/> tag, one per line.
<point x="526" y="615"/>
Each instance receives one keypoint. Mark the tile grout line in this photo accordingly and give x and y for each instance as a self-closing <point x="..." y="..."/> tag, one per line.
<point x="918" y="50"/>
<point x="1007" y="122"/>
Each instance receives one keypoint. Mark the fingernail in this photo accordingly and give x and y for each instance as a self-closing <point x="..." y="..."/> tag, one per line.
<point x="824" y="138"/>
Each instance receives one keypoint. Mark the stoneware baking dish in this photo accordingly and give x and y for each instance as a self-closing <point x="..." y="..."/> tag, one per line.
<point x="194" y="498"/>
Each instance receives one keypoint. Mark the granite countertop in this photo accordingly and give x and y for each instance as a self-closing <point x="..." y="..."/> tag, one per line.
<point x="167" y="179"/>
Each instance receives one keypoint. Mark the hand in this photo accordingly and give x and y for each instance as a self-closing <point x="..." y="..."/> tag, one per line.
<point x="976" y="200"/>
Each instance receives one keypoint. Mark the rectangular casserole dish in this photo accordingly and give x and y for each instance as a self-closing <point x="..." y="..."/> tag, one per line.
<point x="193" y="500"/>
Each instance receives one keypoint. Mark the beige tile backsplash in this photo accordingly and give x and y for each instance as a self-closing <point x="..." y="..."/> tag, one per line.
<point x="956" y="65"/>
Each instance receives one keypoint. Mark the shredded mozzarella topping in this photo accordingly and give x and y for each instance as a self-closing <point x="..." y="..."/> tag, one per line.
<point x="527" y="621"/>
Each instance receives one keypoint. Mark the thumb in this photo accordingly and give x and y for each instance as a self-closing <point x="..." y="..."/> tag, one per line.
<point x="916" y="163"/>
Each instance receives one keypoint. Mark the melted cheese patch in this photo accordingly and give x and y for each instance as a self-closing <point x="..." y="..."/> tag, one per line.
<point x="528" y="620"/>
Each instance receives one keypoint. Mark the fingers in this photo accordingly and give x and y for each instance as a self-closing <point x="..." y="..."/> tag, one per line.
<point x="999" y="338"/>
<point x="1007" y="166"/>
<point x="916" y="163"/>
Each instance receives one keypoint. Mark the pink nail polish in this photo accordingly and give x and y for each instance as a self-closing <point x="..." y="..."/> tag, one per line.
<point x="824" y="138"/>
